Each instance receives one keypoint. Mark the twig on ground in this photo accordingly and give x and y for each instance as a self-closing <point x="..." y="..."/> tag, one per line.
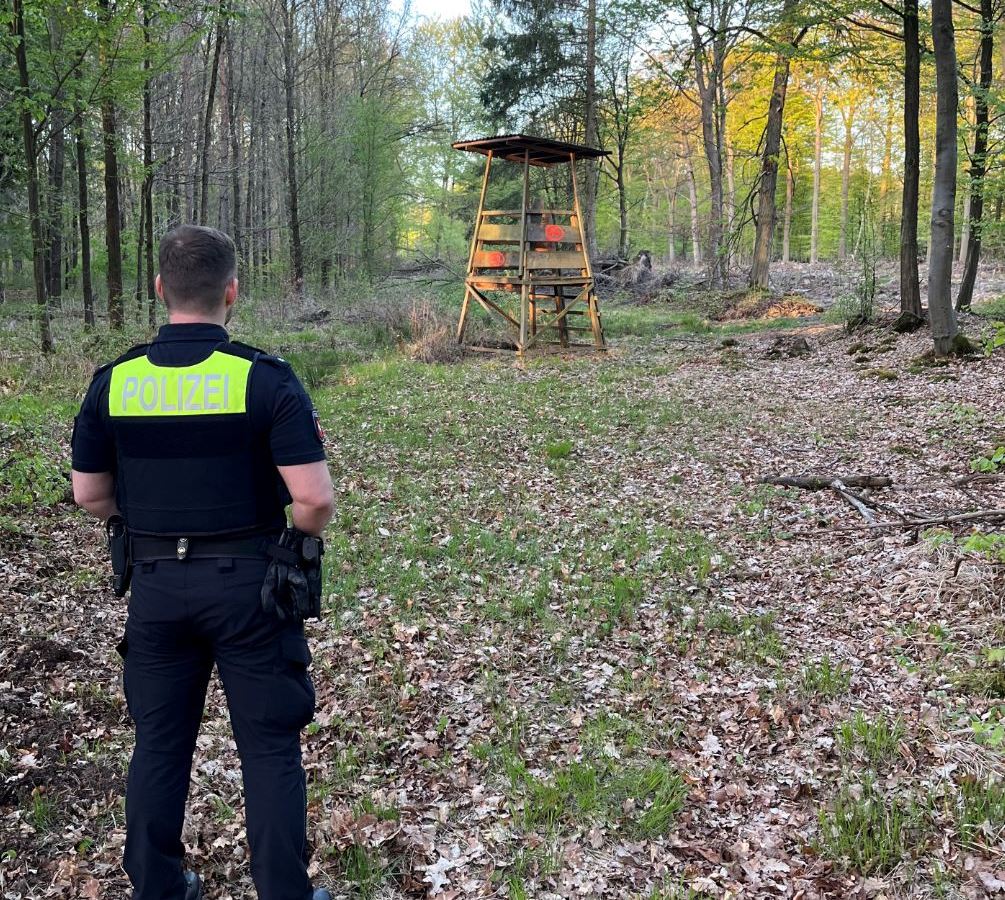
<point x="823" y="482"/>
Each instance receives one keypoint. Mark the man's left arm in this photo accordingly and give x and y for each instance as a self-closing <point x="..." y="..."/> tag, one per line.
<point x="95" y="492"/>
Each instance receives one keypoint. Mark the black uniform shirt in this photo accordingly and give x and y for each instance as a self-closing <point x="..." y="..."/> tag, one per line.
<point x="277" y="403"/>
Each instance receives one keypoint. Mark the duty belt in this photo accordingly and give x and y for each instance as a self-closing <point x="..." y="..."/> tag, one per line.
<point x="151" y="549"/>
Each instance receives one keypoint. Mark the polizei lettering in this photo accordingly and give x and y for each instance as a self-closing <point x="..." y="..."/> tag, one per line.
<point x="182" y="392"/>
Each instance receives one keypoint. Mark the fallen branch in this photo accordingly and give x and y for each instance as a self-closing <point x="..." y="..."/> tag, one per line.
<point x="978" y="478"/>
<point x="823" y="482"/>
<point x="978" y="515"/>
<point x="856" y="502"/>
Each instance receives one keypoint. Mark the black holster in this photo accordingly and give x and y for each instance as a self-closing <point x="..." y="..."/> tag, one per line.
<point x="293" y="580"/>
<point x="119" y="551"/>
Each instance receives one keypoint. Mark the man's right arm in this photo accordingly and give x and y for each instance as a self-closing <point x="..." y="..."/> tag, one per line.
<point x="310" y="486"/>
<point x="93" y="454"/>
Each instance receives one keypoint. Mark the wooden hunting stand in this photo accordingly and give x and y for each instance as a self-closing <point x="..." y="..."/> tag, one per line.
<point x="536" y="254"/>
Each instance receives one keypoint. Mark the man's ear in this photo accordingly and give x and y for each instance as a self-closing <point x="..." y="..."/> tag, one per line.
<point x="230" y="294"/>
<point x="159" y="287"/>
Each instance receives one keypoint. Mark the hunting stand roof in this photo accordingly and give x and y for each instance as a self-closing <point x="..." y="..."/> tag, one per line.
<point x="539" y="151"/>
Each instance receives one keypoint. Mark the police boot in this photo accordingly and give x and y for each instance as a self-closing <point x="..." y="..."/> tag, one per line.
<point x="322" y="894"/>
<point x="193" y="887"/>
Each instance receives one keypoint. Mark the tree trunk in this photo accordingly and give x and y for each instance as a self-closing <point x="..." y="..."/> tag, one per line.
<point x="292" y="200"/>
<point x="910" y="291"/>
<point x="787" y="224"/>
<point x="57" y="151"/>
<point x="765" y="224"/>
<point x="692" y="195"/>
<point x="113" y="219"/>
<point x="622" y="209"/>
<point x="140" y="231"/>
<point x="207" y="122"/>
<point x="31" y="164"/>
<point x="849" y="122"/>
<point x="672" y="218"/>
<point x="711" y="133"/>
<point x="886" y="165"/>
<point x="592" y="130"/>
<point x="964" y="231"/>
<point x="940" y="272"/>
<point x="978" y="162"/>
<point x="147" y="241"/>
<point x="82" y="219"/>
<point x="233" y="108"/>
<point x="818" y="99"/>
<point x="57" y="163"/>
<point x="729" y="202"/>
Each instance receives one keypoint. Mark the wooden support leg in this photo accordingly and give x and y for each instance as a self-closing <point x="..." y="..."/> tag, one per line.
<point x="598" y="330"/>
<point x="563" y="322"/>
<point x="524" y="304"/>
<point x="464" y="315"/>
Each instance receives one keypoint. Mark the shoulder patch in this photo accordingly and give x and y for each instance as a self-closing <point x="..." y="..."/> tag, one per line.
<point x="276" y="361"/>
<point x="239" y="348"/>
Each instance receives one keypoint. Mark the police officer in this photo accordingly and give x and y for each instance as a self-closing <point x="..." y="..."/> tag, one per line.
<point x="200" y="443"/>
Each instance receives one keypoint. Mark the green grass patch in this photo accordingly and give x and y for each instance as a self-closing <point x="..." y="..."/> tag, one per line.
<point x="825" y="678"/>
<point x="364" y="869"/>
<point x="41" y="812"/>
<point x="980" y="815"/>
<point x="868" y="832"/>
<point x="876" y="741"/>
<point x="756" y="638"/>
<point x="653" y="793"/>
<point x="559" y="449"/>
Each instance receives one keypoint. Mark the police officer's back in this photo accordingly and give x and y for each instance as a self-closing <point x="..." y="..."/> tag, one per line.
<point x="199" y="444"/>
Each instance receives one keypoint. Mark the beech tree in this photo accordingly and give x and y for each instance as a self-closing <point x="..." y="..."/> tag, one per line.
<point x="940" y="270"/>
<point x="766" y="208"/>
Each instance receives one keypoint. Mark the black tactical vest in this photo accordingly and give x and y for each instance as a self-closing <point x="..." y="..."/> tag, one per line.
<point x="190" y="461"/>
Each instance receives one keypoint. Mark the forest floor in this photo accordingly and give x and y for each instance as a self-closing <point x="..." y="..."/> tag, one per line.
<point x="573" y="646"/>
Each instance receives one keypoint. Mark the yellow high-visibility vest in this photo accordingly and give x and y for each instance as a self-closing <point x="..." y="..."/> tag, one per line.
<point x="216" y="386"/>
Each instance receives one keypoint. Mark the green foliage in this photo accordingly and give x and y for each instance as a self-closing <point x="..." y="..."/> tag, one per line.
<point x="986" y="677"/>
<point x="32" y="471"/>
<point x="995" y="339"/>
<point x="757" y="638"/>
<point x="990" y="463"/>
<point x="615" y="604"/>
<point x="990" y="730"/>
<point x="990" y="545"/>
<point x="670" y="890"/>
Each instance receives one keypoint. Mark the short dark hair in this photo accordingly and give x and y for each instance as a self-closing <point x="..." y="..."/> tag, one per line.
<point x="196" y="265"/>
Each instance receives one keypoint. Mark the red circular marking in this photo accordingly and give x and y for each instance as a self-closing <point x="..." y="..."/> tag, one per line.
<point x="554" y="232"/>
<point x="497" y="258"/>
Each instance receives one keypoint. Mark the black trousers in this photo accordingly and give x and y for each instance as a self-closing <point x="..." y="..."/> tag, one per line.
<point x="184" y="616"/>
